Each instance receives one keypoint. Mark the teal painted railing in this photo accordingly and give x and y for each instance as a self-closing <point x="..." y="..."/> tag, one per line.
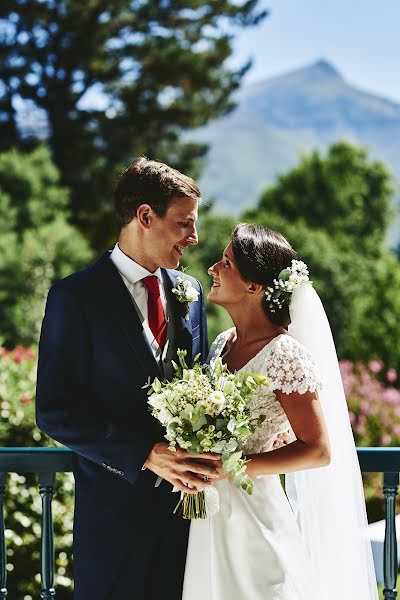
<point x="46" y="462"/>
<point x="386" y="461"/>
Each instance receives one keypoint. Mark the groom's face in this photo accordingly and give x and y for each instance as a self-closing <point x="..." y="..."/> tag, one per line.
<point x="170" y="235"/>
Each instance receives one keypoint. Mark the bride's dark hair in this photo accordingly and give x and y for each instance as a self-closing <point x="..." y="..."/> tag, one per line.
<point x="261" y="254"/>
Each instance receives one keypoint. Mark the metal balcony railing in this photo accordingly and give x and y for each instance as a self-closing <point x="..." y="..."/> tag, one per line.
<point x="386" y="461"/>
<point x="46" y="462"/>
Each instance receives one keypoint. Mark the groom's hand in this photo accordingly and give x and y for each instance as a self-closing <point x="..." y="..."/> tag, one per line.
<point x="188" y="473"/>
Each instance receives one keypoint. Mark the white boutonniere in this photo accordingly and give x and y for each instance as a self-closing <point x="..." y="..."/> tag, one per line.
<point x="185" y="293"/>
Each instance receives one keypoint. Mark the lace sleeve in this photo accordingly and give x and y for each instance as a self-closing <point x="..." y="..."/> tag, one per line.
<point x="290" y="368"/>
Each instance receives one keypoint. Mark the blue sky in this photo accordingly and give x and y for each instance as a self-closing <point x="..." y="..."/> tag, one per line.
<point x="361" y="38"/>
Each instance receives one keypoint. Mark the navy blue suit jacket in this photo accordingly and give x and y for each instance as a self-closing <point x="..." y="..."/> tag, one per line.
<point x="94" y="359"/>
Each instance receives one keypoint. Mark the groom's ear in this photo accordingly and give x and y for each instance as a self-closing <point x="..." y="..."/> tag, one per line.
<point x="144" y="215"/>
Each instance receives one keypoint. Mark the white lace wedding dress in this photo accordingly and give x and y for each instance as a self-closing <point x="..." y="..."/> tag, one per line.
<point x="252" y="548"/>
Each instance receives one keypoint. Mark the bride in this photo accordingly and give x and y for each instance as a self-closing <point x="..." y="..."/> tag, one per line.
<point x="308" y="542"/>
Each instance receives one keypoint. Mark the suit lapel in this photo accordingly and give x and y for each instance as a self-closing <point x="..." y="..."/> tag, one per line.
<point x="179" y="328"/>
<point x="124" y="313"/>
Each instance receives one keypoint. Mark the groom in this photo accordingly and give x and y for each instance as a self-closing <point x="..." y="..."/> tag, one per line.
<point x="106" y="331"/>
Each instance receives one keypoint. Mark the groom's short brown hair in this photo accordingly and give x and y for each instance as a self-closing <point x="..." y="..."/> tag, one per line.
<point x="150" y="182"/>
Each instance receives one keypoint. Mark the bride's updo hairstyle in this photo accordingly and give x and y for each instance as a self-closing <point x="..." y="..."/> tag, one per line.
<point x="261" y="254"/>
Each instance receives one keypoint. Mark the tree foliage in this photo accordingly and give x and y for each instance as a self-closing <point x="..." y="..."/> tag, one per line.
<point x="114" y="79"/>
<point x="37" y="244"/>
<point x="343" y="193"/>
<point x="335" y="210"/>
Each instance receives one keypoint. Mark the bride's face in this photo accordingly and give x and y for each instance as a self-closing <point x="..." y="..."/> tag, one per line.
<point x="228" y="286"/>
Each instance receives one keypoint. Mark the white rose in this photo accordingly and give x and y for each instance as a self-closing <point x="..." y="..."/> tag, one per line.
<point x="217" y="399"/>
<point x="157" y="401"/>
<point x="191" y="294"/>
<point x="164" y="416"/>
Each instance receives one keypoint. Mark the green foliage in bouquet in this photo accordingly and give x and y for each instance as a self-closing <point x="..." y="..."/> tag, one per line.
<point x="23" y="504"/>
<point x="206" y="409"/>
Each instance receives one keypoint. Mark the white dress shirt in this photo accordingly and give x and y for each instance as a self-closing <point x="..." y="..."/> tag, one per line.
<point x="132" y="274"/>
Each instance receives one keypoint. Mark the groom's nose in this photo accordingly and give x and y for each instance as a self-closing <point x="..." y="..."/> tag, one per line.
<point x="193" y="237"/>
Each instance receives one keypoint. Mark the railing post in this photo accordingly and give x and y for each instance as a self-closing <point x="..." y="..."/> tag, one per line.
<point x="46" y="489"/>
<point x="3" y="555"/>
<point x="390" y="488"/>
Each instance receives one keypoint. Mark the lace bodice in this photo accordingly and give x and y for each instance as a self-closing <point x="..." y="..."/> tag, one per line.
<point x="289" y="368"/>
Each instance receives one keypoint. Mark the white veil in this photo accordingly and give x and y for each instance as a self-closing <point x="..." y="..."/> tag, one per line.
<point x="329" y="501"/>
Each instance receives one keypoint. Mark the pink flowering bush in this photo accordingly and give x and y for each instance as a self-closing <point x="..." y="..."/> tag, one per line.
<point x="22" y="503"/>
<point x="374" y="410"/>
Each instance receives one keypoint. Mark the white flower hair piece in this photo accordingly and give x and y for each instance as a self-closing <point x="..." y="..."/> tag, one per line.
<point x="289" y="280"/>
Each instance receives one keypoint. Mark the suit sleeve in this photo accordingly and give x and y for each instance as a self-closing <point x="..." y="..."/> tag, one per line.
<point x="65" y="409"/>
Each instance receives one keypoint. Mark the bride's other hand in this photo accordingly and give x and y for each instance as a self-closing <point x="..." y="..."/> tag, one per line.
<point x="282" y="439"/>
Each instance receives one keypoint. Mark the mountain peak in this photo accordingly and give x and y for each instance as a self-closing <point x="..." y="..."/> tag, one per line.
<point x="323" y="67"/>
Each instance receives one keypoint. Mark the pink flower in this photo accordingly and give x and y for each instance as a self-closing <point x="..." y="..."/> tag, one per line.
<point x="26" y="398"/>
<point x="375" y="366"/>
<point x="352" y="417"/>
<point x="21" y="353"/>
<point x="391" y="396"/>
<point x="366" y="408"/>
<point x="3" y="351"/>
<point x="391" y="375"/>
<point x="362" y="420"/>
<point x="386" y="439"/>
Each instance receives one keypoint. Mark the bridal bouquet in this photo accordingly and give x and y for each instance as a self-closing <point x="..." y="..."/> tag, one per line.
<point x="205" y="409"/>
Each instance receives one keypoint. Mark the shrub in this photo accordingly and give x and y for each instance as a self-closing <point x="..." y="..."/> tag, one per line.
<point x="374" y="410"/>
<point x="23" y="504"/>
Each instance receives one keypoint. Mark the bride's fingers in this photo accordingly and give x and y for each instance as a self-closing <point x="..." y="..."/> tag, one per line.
<point x="197" y="480"/>
<point x="201" y="470"/>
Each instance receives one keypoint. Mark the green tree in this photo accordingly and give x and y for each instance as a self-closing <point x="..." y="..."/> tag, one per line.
<point x="37" y="244"/>
<point x="343" y="193"/>
<point x="157" y="67"/>
<point x="375" y="335"/>
<point x="335" y="210"/>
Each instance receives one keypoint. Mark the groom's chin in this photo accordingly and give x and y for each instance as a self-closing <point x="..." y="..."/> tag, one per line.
<point x="172" y="263"/>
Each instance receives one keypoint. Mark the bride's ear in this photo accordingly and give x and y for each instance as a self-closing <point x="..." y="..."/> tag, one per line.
<point x="255" y="288"/>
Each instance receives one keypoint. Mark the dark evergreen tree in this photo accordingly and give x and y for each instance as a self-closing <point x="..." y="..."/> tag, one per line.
<point x="114" y="79"/>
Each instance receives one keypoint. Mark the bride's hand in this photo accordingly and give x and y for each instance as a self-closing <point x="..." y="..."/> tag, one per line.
<point x="282" y="439"/>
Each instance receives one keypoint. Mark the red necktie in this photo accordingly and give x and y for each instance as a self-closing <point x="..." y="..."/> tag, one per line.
<point x="156" y="316"/>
